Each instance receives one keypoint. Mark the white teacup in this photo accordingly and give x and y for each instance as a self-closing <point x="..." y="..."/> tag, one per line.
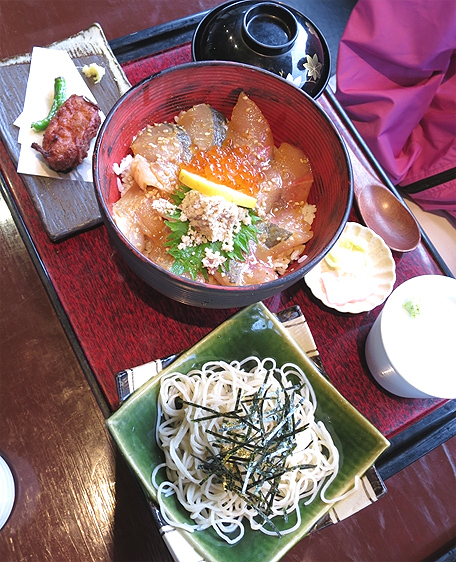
<point x="411" y="348"/>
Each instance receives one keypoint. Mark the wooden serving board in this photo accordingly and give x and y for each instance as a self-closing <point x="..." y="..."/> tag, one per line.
<point x="65" y="206"/>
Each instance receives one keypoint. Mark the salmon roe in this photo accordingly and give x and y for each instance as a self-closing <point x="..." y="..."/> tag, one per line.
<point x="227" y="165"/>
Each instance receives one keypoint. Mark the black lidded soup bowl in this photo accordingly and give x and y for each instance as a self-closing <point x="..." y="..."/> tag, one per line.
<point x="268" y="35"/>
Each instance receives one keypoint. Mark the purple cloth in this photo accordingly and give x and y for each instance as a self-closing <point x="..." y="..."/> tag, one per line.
<point x="396" y="79"/>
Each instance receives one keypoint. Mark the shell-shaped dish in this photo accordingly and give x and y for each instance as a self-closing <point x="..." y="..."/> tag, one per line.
<point x="380" y="276"/>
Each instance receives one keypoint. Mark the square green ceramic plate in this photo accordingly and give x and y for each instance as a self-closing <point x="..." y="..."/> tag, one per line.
<point x="251" y="331"/>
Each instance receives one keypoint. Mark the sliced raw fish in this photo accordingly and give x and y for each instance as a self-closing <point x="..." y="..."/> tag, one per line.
<point x="250" y="272"/>
<point x="164" y="146"/>
<point x="140" y="222"/>
<point x="296" y="173"/>
<point x="123" y="212"/>
<point x="205" y="126"/>
<point x="249" y="127"/>
<point x="269" y="190"/>
<point x="165" y="141"/>
<point x="271" y="234"/>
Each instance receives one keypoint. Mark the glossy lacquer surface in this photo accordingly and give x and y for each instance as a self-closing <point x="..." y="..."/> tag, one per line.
<point x="268" y="35"/>
<point x="252" y="331"/>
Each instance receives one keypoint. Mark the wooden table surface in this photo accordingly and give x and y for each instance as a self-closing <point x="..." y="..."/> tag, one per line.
<point x="75" y="498"/>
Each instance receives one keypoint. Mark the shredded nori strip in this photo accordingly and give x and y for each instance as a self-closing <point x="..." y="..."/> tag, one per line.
<point x="244" y="455"/>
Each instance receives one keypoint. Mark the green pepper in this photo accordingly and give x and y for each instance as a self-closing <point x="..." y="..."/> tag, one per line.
<point x="60" y="95"/>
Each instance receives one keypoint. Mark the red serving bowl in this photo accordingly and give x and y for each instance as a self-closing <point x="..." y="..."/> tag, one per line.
<point x="293" y="116"/>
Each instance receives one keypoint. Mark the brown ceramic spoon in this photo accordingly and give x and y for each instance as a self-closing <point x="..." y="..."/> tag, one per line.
<point x="388" y="217"/>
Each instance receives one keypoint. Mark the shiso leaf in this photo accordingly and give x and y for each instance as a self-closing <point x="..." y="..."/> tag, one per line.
<point x="189" y="260"/>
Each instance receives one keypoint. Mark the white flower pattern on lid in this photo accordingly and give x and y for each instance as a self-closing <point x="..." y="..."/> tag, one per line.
<point x="313" y="67"/>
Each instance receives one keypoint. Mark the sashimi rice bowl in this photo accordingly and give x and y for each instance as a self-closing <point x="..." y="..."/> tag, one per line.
<point x="221" y="184"/>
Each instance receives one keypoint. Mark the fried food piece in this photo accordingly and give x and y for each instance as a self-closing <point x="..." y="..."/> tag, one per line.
<point x="68" y="135"/>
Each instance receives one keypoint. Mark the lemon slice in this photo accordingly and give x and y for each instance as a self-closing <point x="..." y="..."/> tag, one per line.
<point x="207" y="187"/>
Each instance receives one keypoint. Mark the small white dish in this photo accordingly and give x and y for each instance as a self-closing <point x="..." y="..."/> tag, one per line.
<point x="361" y="292"/>
<point x="7" y="492"/>
<point x="414" y="355"/>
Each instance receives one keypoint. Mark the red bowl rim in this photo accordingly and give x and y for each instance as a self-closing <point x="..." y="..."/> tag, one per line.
<point x="291" y="277"/>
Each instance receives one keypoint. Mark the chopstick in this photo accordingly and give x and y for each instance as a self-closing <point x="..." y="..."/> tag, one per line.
<point x="180" y="549"/>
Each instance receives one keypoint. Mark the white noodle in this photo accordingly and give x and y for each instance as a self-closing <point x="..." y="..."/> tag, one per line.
<point x="186" y="442"/>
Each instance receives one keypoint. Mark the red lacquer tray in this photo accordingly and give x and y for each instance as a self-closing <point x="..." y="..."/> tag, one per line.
<point x="120" y="322"/>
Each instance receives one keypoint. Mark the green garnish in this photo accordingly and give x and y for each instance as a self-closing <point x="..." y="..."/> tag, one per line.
<point x="60" y="95"/>
<point x="245" y="455"/>
<point x="189" y="260"/>
<point x="412" y="306"/>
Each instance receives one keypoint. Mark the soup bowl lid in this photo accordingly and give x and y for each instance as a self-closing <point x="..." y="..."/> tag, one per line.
<point x="268" y="35"/>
